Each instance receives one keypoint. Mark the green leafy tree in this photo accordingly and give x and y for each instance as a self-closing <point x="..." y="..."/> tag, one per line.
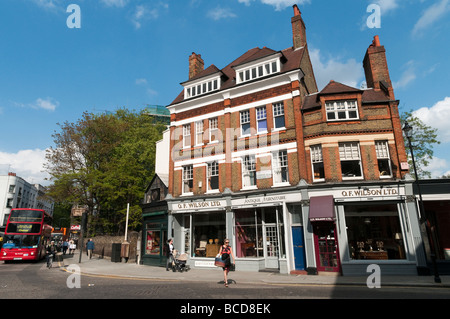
<point x="422" y="140"/>
<point x="104" y="161"/>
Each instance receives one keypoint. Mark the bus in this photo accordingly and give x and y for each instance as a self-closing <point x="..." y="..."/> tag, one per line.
<point x="27" y="233"/>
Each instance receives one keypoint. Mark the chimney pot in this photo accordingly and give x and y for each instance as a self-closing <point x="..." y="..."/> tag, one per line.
<point x="296" y="10"/>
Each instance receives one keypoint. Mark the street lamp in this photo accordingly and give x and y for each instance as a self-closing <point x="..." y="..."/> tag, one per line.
<point x="407" y="129"/>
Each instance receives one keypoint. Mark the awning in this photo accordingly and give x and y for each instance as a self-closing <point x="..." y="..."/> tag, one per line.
<point x="321" y="208"/>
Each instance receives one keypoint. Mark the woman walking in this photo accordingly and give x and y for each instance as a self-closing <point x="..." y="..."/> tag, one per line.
<point x="227" y="253"/>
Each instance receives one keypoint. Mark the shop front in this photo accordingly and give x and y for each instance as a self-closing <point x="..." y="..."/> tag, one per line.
<point x="154" y="235"/>
<point x="357" y="226"/>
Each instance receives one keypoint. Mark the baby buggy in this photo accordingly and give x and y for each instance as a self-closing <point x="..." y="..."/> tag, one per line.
<point x="179" y="262"/>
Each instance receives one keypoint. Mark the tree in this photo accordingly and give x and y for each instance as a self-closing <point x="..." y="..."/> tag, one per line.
<point x="104" y="162"/>
<point x="422" y="140"/>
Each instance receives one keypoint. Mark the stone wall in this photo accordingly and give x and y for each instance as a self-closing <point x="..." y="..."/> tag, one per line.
<point x="103" y="244"/>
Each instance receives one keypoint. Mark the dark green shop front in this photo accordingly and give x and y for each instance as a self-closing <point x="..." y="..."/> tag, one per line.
<point x="154" y="235"/>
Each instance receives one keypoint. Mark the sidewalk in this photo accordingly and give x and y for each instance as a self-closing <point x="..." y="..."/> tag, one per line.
<point x="104" y="267"/>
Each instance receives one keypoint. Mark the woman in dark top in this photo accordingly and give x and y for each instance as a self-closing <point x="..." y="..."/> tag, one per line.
<point x="227" y="253"/>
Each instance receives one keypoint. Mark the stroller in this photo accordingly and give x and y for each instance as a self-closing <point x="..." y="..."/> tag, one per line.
<point x="179" y="262"/>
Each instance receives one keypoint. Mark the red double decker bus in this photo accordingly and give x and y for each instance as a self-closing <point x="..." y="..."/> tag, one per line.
<point x="27" y="233"/>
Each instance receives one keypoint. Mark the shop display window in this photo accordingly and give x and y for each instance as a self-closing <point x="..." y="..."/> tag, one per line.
<point x="153" y="242"/>
<point x="374" y="232"/>
<point x="208" y="231"/>
<point x="249" y="233"/>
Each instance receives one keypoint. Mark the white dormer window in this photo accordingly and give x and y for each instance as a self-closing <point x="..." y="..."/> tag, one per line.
<point x="201" y="87"/>
<point x="257" y="70"/>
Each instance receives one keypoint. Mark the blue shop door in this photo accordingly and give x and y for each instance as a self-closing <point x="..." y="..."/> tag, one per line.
<point x="299" y="247"/>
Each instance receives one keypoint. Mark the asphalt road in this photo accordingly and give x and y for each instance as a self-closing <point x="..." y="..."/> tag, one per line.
<point x="33" y="281"/>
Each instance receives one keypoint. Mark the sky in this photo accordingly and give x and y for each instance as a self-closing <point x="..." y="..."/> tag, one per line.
<point x="60" y="58"/>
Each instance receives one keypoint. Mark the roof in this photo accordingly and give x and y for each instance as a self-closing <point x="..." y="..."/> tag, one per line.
<point x="333" y="88"/>
<point x="290" y="61"/>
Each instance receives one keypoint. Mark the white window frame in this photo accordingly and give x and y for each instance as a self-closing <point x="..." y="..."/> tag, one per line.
<point x="342" y="110"/>
<point x="199" y="133"/>
<point x="188" y="175"/>
<point x="316" y="159"/>
<point x="382" y="151"/>
<point x="249" y="172"/>
<point x="245" y="119"/>
<point x="261" y="117"/>
<point x="280" y="163"/>
<point x="278" y="111"/>
<point x="187" y="135"/>
<point x="350" y="151"/>
<point x="257" y="70"/>
<point x="203" y="87"/>
<point x="212" y="171"/>
<point x="213" y="129"/>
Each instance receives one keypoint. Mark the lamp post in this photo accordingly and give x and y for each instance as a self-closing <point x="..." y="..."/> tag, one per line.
<point x="407" y="129"/>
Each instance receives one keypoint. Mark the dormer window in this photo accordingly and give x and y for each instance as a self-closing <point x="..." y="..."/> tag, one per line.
<point x="257" y="70"/>
<point x="342" y="110"/>
<point x="202" y="87"/>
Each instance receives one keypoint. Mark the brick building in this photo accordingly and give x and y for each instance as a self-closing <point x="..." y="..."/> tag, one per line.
<point x="298" y="180"/>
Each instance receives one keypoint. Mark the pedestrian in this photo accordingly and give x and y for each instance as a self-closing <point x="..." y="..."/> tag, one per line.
<point x="72" y="246"/>
<point x="169" y="253"/>
<point x="226" y="253"/>
<point x="65" y="246"/>
<point x="90" y="248"/>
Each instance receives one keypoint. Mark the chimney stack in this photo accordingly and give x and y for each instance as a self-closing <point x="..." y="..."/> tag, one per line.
<point x="375" y="66"/>
<point x="298" y="29"/>
<point x="196" y="65"/>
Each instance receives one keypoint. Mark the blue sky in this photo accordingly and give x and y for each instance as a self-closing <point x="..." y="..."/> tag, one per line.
<point x="130" y="53"/>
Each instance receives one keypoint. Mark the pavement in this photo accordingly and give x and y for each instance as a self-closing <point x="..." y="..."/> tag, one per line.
<point x="104" y="267"/>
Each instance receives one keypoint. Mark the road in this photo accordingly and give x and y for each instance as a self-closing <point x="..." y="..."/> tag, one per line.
<point x="23" y="280"/>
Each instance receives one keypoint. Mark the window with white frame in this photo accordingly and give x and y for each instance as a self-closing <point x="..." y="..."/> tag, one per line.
<point x="278" y="115"/>
<point x="341" y="110"/>
<point x="199" y="133"/>
<point x="248" y="171"/>
<point x="258" y="70"/>
<point x="317" y="163"/>
<point x="383" y="158"/>
<point x="213" y="176"/>
<point x="213" y="130"/>
<point x="245" y="123"/>
<point x="280" y="167"/>
<point x="350" y="157"/>
<point x="202" y="88"/>
<point x="187" y="135"/>
<point x="261" y="119"/>
<point x="188" y="179"/>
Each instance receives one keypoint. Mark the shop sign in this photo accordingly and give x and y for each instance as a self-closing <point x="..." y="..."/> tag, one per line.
<point x="75" y="227"/>
<point x="266" y="199"/>
<point x="211" y="204"/>
<point x="368" y="192"/>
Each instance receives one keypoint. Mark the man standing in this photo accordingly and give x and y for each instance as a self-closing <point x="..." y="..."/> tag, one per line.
<point x="90" y="248"/>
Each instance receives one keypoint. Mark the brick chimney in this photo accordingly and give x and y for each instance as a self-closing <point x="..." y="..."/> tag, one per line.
<point x="196" y="65"/>
<point x="375" y="66"/>
<point x="298" y="29"/>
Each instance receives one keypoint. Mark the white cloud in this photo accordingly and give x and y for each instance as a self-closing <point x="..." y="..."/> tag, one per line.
<point x="278" y="4"/>
<point x="48" y="104"/>
<point x="143" y="13"/>
<point x="408" y="75"/>
<point x="387" y="5"/>
<point x="347" y="72"/>
<point x="431" y="15"/>
<point x="115" y="3"/>
<point x="220" y="13"/>
<point x="28" y="164"/>
<point x="141" y="81"/>
<point x="438" y="167"/>
<point x="437" y="117"/>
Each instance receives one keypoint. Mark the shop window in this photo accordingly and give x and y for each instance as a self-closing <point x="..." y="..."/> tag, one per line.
<point x="208" y="231"/>
<point x="350" y="160"/>
<point x="278" y="115"/>
<point x="374" y="232"/>
<point x="249" y="171"/>
<point x="153" y="242"/>
<point x="383" y="158"/>
<point x="188" y="179"/>
<point x="317" y="163"/>
<point x="248" y="230"/>
<point x="213" y="176"/>
<point x="280" y="167"/>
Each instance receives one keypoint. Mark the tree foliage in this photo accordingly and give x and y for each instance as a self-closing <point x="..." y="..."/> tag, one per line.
<point x="104" y="161"/>
<point x="422" y="139"/>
